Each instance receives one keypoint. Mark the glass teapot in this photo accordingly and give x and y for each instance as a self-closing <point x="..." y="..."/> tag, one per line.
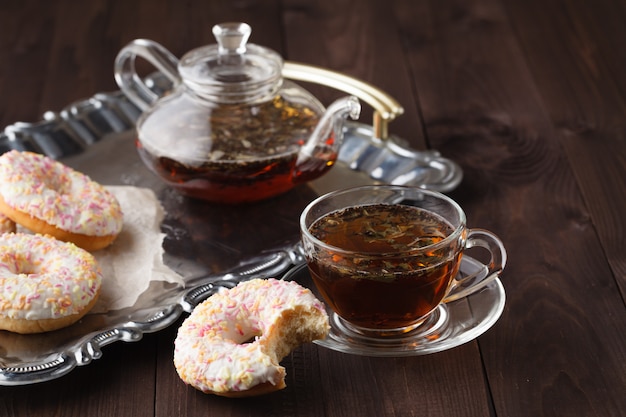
<point x="231" y="130"/>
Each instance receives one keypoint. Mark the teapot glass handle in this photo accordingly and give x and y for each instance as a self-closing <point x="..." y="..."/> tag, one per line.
<point x="386" y="108"/>
<point x="132" y="84"/>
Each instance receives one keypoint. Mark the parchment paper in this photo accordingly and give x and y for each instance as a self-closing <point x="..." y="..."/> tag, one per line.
<point x="136" y="257"/>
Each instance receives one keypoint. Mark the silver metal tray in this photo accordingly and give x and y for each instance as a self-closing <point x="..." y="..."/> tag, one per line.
<point x="211" y="246"/>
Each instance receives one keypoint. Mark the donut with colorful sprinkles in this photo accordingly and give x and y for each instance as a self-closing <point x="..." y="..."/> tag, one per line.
<point x="48" y="197"/>
<point x="45" y="284"/>
<point x="232" y="343"/>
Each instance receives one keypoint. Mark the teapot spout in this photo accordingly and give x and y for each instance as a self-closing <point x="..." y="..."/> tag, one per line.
<point x="328" y="134"/>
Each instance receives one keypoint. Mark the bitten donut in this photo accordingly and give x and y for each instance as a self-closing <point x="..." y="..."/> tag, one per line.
<point x="6" y="225"/>
<point x="232" y="343"/>
<point x="45" y="284"/>
<point x="47" y="197"/>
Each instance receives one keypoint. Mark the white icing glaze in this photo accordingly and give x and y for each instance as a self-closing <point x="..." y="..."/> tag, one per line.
<point x="210" y="350"/>
<point x="43" y="278"/>
<point x="60" y="196"/>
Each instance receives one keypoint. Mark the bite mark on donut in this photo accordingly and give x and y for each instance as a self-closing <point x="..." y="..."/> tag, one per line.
<point x="213" y="351"/>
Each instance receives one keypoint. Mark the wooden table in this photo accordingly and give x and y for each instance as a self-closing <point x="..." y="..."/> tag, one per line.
<point x="529" y="97"/>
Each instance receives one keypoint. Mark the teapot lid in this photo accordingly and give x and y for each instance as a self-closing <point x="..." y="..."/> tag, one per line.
<point x="232" y="71"/>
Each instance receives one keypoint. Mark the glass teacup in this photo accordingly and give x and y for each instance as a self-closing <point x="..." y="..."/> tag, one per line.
<point x="384" y="257"/>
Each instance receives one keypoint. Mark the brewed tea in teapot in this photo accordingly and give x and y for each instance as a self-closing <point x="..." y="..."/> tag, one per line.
<point x="232" y="130"/>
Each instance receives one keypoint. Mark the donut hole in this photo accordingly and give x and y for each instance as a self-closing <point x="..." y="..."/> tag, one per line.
<point x="60" y="191"/>
<point x="26" y="271"/>
<point x="34" y="262"/>
<point x="244" y="338"/>
<point x="55" y="186"/>
<point x="243" y="332"/>
<point x="250" y="339"/>
<point x="56" y="182"/>
<point x="65" y="190"/>
<point x="26" y="267"/>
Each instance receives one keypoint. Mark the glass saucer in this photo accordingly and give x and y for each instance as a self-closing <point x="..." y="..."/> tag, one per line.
<point x="452" y="324"/>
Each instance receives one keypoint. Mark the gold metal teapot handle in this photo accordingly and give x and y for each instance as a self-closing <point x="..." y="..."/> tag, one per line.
<point x="386" y="108"/>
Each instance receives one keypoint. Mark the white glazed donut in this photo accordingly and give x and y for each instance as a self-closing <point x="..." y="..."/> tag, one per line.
<point x="47" y="197"/>
<point x="212" y="352"/>
<point x="6" y="225"/>
<point x="45" y="284"/>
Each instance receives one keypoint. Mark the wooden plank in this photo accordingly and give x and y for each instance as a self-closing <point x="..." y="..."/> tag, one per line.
<point x="48" y="69"/>
<point x="518" y="183"/>
<point x="25" y="43"/>
<point x="323" y="382"/>
<point x="173" y="397"/>
<point x="440" y="384"/>
<point x="300" y="398"/>
<point x="579" y="73"/>
<point x="532" y="136"/>
<point x="357" y="39"/>
<point x="423" y="384"/>
<point x="584" y="91"/>
<point x="109" y="386"/>
<point x="323" y="33"/>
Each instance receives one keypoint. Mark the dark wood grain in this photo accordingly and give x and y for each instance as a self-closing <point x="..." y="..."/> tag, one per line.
<point x="121" y="383"/>
<point x="582" y="90"/>
<point x="483" y="106"/>
<point x="359" y="39"/>
<point x="528" y="97"/>
<point x="337" y="28"/>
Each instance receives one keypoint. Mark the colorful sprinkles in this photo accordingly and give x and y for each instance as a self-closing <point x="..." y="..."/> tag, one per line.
<point x="58" y="195"/>
<point x="44" y="278"/>
<point x="211" y="352"/>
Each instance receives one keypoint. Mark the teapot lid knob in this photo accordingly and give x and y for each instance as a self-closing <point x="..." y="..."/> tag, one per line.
<point x="232" y="71"/>
<point x="232" y="37"/>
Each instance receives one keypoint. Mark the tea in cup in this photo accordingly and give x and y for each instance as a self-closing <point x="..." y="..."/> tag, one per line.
<point x="384" y="257"/>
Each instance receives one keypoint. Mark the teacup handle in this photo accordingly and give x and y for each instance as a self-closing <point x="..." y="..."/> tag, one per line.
<point x="462" y="286"/>
<point x="132" y="84"/>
